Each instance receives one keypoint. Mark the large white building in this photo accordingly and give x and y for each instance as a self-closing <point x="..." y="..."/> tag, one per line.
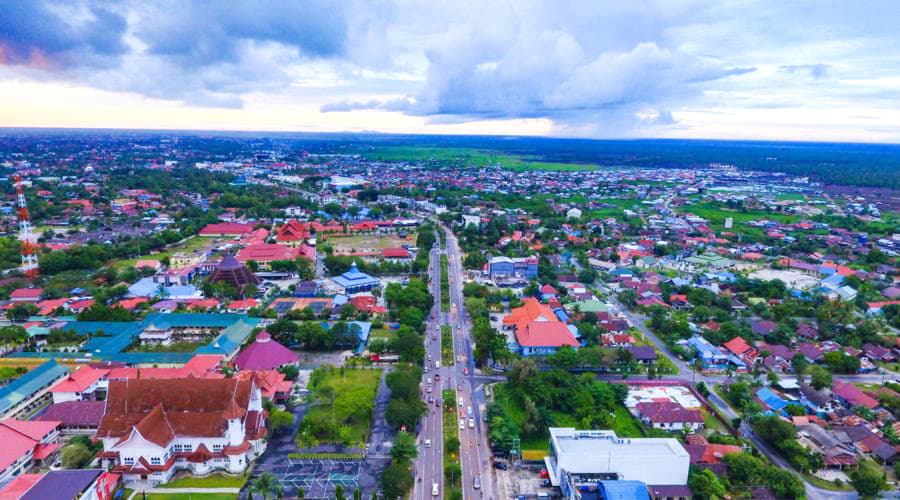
<point x="581" y="458"/>
<point x="152" y="428"/>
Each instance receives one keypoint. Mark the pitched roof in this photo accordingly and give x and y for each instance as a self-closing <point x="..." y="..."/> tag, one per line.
<point x="231" y="228"/>
<point x="738" y="346"/>
<point x="668" y="412"/>
<point x="191" y="407"/>
<point x="80" y="379"/>
<point x="265" y="354"/>
<point x="75" y="413"/>
<point x="20" y="437"/>
<point x="853" y="395"/>
<point x="546" y="334"/>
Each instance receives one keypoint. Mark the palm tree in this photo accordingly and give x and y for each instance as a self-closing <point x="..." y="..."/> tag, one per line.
<point x="267" y="485"/>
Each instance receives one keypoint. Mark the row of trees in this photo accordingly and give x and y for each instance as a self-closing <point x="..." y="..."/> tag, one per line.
<point x="314" y="336"/>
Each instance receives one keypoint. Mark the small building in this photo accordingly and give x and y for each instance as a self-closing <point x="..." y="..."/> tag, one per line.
<point x="84" y="384"/>
<point x="669" y="416"/>
<point x="80" y="484"/>
<point x="354" y="281"/>
<point x="226" y="229"/>
<point x="75" y="417"/>
<point x="26" y="295"/>
<point x="232" y="272"/>
<point x="265" y="354"/>
<point x="26" y="443"/>
<point x="31" y="389"/>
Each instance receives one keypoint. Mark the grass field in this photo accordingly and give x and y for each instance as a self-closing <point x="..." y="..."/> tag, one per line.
<point x="191" y="496"/>
<point x="716" y="215"/>
<point x="471" y="158"/>
<point x="192" y="244"/>
<point x="382" y="334"/>
<point x="625" y="424"/>
<point x="211" y="481"/>
<point x="174" y="347"/>
<point x="335" y="383"/>
<point x="368" y="242"/>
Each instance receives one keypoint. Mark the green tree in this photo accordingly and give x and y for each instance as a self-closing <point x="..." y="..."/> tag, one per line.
<point x="820" y="378"/>
<point x="339" y="492"/>
<point x="279" y="420"/>
<point x="267" y="485"/>
<point x="868" y="479"/>
<point x="705" y="484"/>
<point x="75" y="456"/>
<point x="404" y="449"/>
<point x="395" y="481"/>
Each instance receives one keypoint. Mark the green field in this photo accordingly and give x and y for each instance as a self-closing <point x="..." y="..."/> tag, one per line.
<point x="716" y="215"/>
<point x="445" y="283"/>
<point x="211" y="481"/>
<point x="451" y="434"/>
<point x="470" y="158"/>
<point x="327" y="393"/>
<point x="625" y="425"/>
<point x="190" y="496"/>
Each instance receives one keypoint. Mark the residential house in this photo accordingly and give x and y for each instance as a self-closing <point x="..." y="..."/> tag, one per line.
<point x="669" y="415"/>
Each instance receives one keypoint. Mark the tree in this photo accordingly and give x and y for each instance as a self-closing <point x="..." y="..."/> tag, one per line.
<point x="395" y="481"/>
<point x="820" y="378"/>
<point x="267" y="485"/>
<point x="452" y="472"/>
<point x="404" y="450"/>
<point x="799" y="364"/>
<point x="357" y="494"/>
<point x="75" y="456"/>
<point x="339" y="492"/>
<point x="868" y="479"/>
<point x="279" y="420"/>
<point x="21" y="312"/>
<point x="705" y="485"/>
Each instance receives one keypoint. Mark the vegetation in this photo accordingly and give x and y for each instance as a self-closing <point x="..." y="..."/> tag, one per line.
<point x="343" y="403"/>
<point x="445" y="283"/>
<point x="405" y="406"/>
<point x="447" y="357"/>
<point x="452" y="468"/>
<point x="211" y="481"/>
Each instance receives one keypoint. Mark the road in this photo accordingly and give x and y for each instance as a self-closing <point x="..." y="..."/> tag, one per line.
<point x="474" y="448"/>
<point x="429" y="464"/>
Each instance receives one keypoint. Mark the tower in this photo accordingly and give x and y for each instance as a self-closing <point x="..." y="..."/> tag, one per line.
<point x="26" y="233"/>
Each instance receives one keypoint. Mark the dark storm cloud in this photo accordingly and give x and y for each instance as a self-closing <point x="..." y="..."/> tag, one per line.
<point x="55" y="34"/>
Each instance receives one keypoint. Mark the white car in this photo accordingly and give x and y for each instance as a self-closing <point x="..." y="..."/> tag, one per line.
<point x="471" y="423"/>
<point x="459" y="401"/>
<point x="462" y="424"/>
<point x="469" y="410"/>
<point x="428" y="443"/>
<point x="435" y="491"/>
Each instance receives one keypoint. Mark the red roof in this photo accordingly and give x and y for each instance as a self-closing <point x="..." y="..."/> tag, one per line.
<point x="80" y="379"/>
<point x="229" y="228"/>
<point x="395" y="252"/>
<point x="268" y="252"/>
<point x="26" y="293"/>
<point x="292" y="230"/>
<point x="853" y="395"/>
<point x="738" y="346"/>
<point x="545" y="334"/>
<point x="548" y="289"/>
<point x="19" y="437"/>
<point x="20" y="485"/>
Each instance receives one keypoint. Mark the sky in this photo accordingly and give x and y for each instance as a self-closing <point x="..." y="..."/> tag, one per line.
<point x="809" y="70"/>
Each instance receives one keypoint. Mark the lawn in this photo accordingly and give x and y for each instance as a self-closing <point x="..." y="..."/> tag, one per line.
<point x="331" y="389"/>
<point x="447" y="345"/>
<point x="365" y="242"/>
<point x="625" y="424"/>
<point x="211" y="481"/>
<point x="445" y="283"/>
<point x="451" y="440"/>
<point x="174" y="347"/>
<point x="716" y="214"/>
<point x="189" y="496"/>
<point x="382" y="334"/>
<point x="192" y="244"/>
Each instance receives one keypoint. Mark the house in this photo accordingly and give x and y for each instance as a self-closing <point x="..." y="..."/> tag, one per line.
<point x="153" y="428"/>
<point x="876" y="352"/>
<point x="816" y="401"/>
<point x="762" y="327"/>
<point x="266" y="253"/>
<point x="26" y="295"/>
<point x="643" y="354"/>
<point x="710" y="357"/>
<point x="548" y="293"/>
<point x="273" y="384"/>
<point x="265" y="354"/>
<point x="811" y="352"/>
<point x="540" y="338"/>
<point x="26" y="443"/>
<point x="396" y="254"/>
<point x="851" y="396"/>
<point x="500" y="266"/>
<point x="579" y="457"/>
<point x="669" y="415"/>
<point x="293" y="233"/>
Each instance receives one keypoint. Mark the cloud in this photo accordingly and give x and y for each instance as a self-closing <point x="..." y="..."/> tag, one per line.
<point x="56" y="35"/>
<point x="815" y="71"/>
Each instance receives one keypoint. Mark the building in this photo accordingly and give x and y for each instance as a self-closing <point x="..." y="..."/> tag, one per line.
<point x="525" y="267"/>
<point x="233" y="273"/>
<point x="537" y="329"/>
<point x="293" y="233"/>
<point x="266" y="253"/>
<point x="265" y="354"/>
<point x="84" y="384"/>
<point x="584" y="457"/>
<point x="153" y="428"/>
<point x="75" y="417"/>
<point x="81" y="484"/>
<point x="354" y="281"/>
<point x="26" y="295"/>
<point x="26" y="443"/>
<point x="669" y="416"/>
<point x="185" y="259"/>
<point x="31" y="389"/>
<point x="226" y="229"/>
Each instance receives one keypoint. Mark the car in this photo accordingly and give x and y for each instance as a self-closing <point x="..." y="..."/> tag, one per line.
<point x="462" y="424"/>
<point x="429" y="357"/>
<point x="437" y="402"/>
<point x="428" y="380"/>
<point x="465" y="371"/>
<point x="476" y="483"/>
<point x="431" y="399"/>
<point x="471" y="423"/>
<point x="433" y="337"/>
<point x="546" y="483"/>
<point x="501" y="465"/>
<point x="437" y="376"/>
<point x="435" y="490"/>
<point x="437" y="364"/>
<point x="469" y="410"/>
<point x="428" y="389"/>
<point x="545" y="474"/>
<point x="428" y="443"/>
<point x="459" y="401"/>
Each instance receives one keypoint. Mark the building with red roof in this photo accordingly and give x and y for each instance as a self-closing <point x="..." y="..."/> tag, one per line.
<point x="26" y="295"/>
<point x="266" y="253"/>
<point x="273" y="384"/>
<point x="852" y="396"/>
<point x="25" y="443"/>
<point x="739" y="347"/>
<point x="292" y="233"/>
<point x="226" y="229"/>
<point x="85" y="383"/>
<point x="540" y="338"/>
<point x="669" y="415"/>
<point x="396" y="253"/>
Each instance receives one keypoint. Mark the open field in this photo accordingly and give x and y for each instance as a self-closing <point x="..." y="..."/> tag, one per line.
<point x="472" y="157"/>
<point x="793" y="279"/>
<point x="211" y="481"/>
<point x="347" y="245"/>
<point x="717" y="214"/>
<point x="327" y="393"/>
<point x="192" y="244"/>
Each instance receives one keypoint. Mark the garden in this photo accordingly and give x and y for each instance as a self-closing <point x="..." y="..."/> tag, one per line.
<point x="342" y="402"/>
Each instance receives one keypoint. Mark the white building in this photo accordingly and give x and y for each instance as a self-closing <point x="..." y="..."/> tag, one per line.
<point x="153" y="428"/>
<point x="573" y="213"/>
<point x="583" y="457"/>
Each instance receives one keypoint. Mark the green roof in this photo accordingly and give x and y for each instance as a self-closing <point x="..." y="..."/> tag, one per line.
<point x="26" y="386"/>
<point x="591" y="306"/>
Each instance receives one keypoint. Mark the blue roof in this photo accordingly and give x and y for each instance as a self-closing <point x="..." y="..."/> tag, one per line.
<point x="24" y="387"/>
<point x="771" y="399"/>
<point x="145" y="287"/>
<point x="624" y="490"/>
<point x="355" y="278"/>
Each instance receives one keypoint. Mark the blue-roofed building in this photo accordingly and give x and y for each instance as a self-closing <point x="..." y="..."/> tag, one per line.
<point x="772" y="401"/>
<point x="354" y="281"/>
<point x="709" y="355"/>
<point x="146" y="287"/>
<point x="31" y="389"/>
<point x="623" y="490"/>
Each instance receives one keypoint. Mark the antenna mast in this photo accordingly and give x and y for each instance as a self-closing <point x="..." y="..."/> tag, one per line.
<point x="26" y="233"/>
